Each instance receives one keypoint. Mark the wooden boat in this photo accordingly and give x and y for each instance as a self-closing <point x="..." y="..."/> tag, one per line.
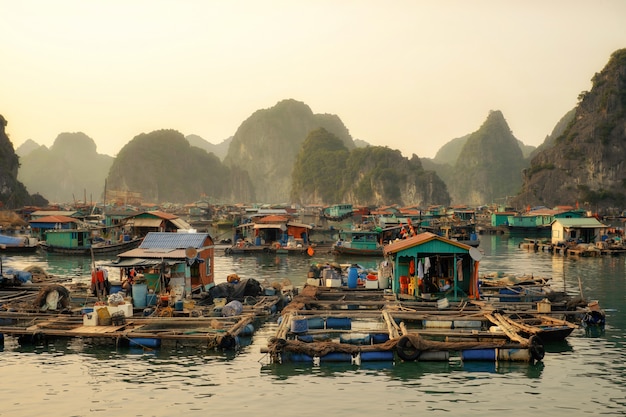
<point x="358" y="243"/>
<point x="81" y="242"/>
<point x="547" y="328"/>
<point x="18" y="244"/>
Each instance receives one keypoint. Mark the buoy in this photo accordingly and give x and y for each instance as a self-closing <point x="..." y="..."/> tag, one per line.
<point x="310" y="251"/>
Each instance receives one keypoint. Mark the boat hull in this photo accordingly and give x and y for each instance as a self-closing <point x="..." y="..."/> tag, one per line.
<point x="97" y="250"/>
<point x="346" y="251"/>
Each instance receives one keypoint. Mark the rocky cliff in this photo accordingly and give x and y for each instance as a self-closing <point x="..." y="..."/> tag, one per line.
<point x="585" y="164"/>
<point x="71" y="170"/>
<point x="164" y="167"/>
<point x="13" y="193"/>
<point x="326" y="172"/>
<point x="489" y="165"/>
<point x="266" y="145"/>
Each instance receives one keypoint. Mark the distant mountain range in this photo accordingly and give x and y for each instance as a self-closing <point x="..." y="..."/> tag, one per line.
<point x="579" y="161"/>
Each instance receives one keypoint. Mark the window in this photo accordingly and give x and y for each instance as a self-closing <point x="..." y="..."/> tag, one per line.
<point x="207" y="264"/>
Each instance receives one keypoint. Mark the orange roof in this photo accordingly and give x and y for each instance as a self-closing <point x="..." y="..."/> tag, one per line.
<point x="419" y="239"/>
<point x="274" y="218"/>
<point x="55" y="219"/>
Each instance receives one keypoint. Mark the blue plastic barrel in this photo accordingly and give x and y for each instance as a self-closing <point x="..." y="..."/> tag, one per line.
<point x="316" y="323"/>
<point x="139" y="295"/>
<point x="144" y="342"/>
<point x="336" y="357"/>
<point x="478" y="355"/>
<point x="381" y="355"/>
<point x="151" y="299"/>
<point x="342" y="323"/>
<point x="353" y="277"/>
<point x="234" y="308"/>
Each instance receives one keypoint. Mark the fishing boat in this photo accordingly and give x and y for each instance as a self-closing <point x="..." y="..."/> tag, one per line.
<point x="548" y="329"/>
<point x="358" y="243"/>
<point x="82" y="242"/>
<point x="368" y="242"/>
<point x="18" y="243"/>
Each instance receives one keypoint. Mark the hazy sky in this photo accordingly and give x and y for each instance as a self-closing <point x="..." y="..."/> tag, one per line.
<point x="410" y="75"/>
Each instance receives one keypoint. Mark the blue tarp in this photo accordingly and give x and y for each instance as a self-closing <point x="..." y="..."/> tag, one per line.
<point x="11" y="240"/>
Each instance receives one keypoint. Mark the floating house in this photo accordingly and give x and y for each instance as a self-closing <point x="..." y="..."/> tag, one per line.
<point x="425" y="263"/>
<point x="155" y="221"/>
<point x="580" y="230"/>
<point x="181" y="261"/>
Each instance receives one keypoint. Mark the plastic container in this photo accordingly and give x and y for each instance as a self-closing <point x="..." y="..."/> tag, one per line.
<point x="373" y="356"/>
<point x="380" y="338"/>
<point x="478" y="355"/>
<point x="299" y="325"/>
<point x="90" y="318"/>
<point x="144" y="342"/>
<point x="151" y="299"/>
<point x="434" y="356"/>
<point x="336" y="357"/>
<point x="356" y="338"/>
<point x="437" y="324"/>
<point x="296" y="357"/>
<point x="178" y="305"/>
<point x="353" y="277"/>
<point x="234" y="308"/>
<point x="140" y="292"/>
<point x="514" y="355"/>
<point x="342" y="323"/>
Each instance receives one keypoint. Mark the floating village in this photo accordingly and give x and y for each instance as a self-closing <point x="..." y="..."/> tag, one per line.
<point x="427" y="299"/>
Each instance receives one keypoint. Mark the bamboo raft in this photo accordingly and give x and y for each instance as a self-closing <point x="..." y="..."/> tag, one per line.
<point x="396" y="331"/>
<point x="210" y="332"/>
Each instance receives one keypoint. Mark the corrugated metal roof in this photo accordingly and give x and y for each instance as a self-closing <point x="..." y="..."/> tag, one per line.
<point x="180" y="223"/>
<point x="168" y="240"/>
<point x="137" y="262"/>
<point x="154" y="253"/>
<point x="418" y="240"/>
<point x="144" y="222"/>
<point x="294" y="224"/>
<point x="584" y="222"/>
<point x="268" y="226"/>
<point x="41" y="213"/>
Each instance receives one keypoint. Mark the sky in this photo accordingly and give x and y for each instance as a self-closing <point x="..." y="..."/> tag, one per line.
<point x="410" y="75"/>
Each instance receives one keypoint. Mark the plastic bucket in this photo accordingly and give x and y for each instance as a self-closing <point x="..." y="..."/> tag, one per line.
<point x="139" y="295"/>
<point x="316" y="323"/>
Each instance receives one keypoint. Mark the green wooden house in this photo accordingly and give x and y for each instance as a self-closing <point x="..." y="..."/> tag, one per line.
<point x="425" y="262"/>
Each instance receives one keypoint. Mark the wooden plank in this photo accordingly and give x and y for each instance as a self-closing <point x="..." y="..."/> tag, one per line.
<point x="95" y="329"/>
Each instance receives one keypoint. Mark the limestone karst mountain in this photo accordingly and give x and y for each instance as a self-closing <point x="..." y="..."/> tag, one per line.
<point x="585" y="164"/>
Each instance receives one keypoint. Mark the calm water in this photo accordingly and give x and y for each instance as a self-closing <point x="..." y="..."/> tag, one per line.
<point x="586" y="375"/>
